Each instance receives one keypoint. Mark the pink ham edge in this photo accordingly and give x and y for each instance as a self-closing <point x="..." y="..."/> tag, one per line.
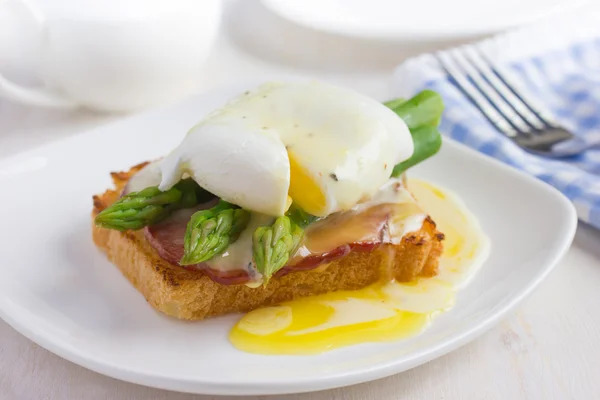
<point x="167" y="239"/>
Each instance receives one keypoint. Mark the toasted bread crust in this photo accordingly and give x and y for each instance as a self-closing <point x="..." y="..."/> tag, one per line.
<point x="192" y="295"/>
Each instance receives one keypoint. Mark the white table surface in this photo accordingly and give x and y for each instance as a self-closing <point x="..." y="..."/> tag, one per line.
<point x="548" y="349"/>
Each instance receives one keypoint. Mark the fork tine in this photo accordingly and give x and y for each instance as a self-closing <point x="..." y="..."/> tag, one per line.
<point x="491" y="93"/>
<point x="539" y="113"/>
<point x="478" y="99"/>
<point x="507" y="93"/>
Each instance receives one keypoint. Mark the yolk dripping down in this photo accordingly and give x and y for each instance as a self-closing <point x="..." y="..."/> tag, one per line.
<point x="383" y="312"/>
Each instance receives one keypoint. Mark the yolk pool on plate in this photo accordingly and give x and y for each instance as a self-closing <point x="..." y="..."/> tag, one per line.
<point x="315" y="324"/>
<point x="381" y="312"/>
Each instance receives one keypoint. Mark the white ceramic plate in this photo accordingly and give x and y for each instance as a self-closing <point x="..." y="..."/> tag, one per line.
<point x="61" y="292"/>
<point x="417" y="20"/>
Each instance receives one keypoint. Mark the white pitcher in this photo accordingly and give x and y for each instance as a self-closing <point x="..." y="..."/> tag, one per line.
<point x="117" y="55"/>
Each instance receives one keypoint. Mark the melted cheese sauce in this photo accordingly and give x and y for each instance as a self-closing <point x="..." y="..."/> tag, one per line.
<point x="382" y="312"/>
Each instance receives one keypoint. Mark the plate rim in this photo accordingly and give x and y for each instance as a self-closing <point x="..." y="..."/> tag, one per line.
<point x="443" y="35"/>
<point x="190" y="385"/>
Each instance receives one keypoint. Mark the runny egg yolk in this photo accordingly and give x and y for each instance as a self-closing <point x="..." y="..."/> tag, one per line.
<point x="320" y="323"/>
<point x="304" y="191"/>
<point x="382" y="312"/>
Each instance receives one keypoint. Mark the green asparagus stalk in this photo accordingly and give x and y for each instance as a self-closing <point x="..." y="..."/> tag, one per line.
<point x="427" y="141"/>
<point x="425" y="108"/>
<point x="394" y="102"/>
<point x="148" y="206"/>
<point x="422" y="114"/>
<point x="272" y="246"/>
<point x="209" y="232"/>
<point x="300" y="217"/>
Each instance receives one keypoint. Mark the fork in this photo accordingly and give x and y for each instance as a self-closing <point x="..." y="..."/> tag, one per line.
<point x="511" y="112"/>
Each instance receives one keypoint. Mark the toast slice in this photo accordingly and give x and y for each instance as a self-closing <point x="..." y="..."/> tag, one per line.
<point x="192" y="295"/>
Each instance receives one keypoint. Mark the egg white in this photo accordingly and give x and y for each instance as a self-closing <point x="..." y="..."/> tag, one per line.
<point x="344" y="144"/>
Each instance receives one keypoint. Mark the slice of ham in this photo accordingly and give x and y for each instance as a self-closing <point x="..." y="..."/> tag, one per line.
<point x="167" y="237"/>
<point x="314" y="260"/>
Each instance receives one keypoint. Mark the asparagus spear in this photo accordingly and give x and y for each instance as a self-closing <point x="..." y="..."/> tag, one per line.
<point x="273" y="245"/>
<point x="209" y="232"/>
<point x="300" y="217"/>
<point x="425" y="108"/>
<point x="394" y="103"/>
<point x="422" y="114"/>
<point x="427" y="141"/>
<point x="148" y="206"/>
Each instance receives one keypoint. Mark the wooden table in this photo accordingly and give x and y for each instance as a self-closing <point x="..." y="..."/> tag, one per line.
<point x="548" y="349"/>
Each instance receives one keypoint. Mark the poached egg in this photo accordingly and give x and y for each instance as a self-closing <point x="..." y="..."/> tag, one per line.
<point x="324" y="147"/>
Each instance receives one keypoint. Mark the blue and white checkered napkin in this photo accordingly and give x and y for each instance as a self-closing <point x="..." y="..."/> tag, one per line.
<point x="558" y="63"/>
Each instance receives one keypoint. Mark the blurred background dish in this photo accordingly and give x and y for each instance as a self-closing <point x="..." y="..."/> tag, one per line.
<point x="112" y="56"/>
<point x="417" y="20"/>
